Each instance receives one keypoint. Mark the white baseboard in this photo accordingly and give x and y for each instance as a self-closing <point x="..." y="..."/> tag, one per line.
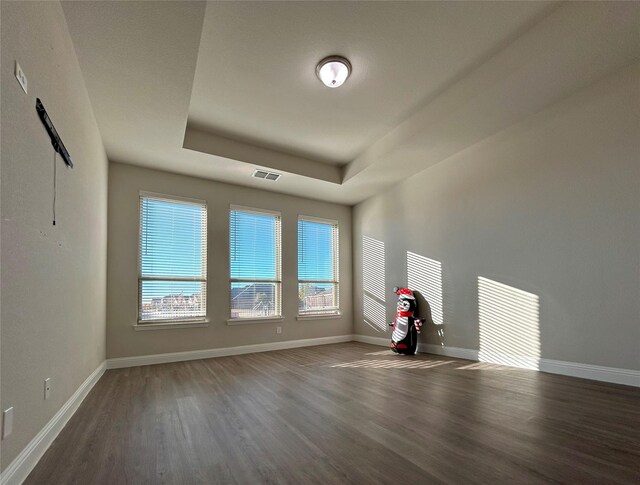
<point x="455" y="352"/>
<point x="366" y="339"/>
<point x="613" y="375"/>
<point x="120" y="362"/>
<point x="21" y="466"/>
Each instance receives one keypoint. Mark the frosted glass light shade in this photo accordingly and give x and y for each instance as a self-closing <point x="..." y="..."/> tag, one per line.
<point x="333" y="71"/>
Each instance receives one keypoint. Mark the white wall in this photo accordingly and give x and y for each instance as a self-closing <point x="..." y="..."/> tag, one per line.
<point x="550" y="206"/>
<point x="125" y="184"/>
<point x="53" y="277"/>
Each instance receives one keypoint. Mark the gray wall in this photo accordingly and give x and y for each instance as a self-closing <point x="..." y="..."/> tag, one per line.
<point x="125" y="183"/>
<point x="53" y="277"/>
<point x="550" y="206"/>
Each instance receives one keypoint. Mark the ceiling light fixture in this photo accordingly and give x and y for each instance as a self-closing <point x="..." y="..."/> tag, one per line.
<point x="333" y="71"/>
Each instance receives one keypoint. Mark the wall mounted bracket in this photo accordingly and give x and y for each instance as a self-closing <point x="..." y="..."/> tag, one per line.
<point x="56" y="141"/>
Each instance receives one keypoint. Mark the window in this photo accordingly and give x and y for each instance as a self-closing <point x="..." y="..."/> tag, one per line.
<point x="255" y="263"/>
<point x="172" y="259"/>
<point x="317" y="266"/>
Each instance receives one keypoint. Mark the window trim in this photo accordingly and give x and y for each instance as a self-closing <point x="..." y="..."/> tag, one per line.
<point x="278" y="280"/>
<point x="170" y="322"/>
<point x="169" y="325"/>
<point x="319" y="316"/>
<point x="252" y="320"/>
<point x="335" y="312"/>
<point x="253" y="210"/>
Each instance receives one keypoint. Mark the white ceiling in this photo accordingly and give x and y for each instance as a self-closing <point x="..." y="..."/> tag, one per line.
<point x="216" y="90"/>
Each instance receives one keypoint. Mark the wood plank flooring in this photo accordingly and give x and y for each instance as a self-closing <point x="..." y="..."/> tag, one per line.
<point x="347" y="413"/>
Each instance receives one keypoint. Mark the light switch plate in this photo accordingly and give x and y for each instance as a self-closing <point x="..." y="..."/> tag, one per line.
<point x="21" y="77"/>
<point x="7" y="422"/>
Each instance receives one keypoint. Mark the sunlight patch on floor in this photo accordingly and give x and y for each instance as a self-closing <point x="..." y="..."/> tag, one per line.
<point x="393" y="364"/>
<point x="484" y="366"/>
<point x="382" y="352"/>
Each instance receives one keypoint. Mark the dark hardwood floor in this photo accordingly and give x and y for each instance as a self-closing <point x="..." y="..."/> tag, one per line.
<point x="346" y="413"/>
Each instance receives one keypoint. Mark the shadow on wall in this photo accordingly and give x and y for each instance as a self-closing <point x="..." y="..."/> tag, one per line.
<point x="373" y="284"/>
<point x="509" y="325"/>
<point x="424" y="277"/>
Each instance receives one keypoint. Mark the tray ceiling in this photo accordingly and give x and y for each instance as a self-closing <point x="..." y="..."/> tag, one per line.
<point x="218" y="89"/>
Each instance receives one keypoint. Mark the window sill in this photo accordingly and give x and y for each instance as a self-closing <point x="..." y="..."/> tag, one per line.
<point x="320" y="316"/>
<point x="245" y="321"/>
<point x="170" y="325"/>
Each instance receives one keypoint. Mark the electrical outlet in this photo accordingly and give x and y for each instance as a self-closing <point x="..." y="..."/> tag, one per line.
<point x="47" y="388"/>
<point x="278" y="329"/>
<point x="7" y="422"/>
<point x="21" y="77"/>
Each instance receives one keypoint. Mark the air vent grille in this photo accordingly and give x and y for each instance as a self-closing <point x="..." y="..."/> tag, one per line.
<point x="261" y="174"/>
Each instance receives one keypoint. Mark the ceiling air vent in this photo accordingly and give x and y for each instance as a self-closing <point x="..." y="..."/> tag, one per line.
<point x="261" y="174"/>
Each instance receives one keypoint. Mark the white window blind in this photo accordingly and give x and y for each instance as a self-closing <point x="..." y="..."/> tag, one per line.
<point x="317" y="266"/>
<point x="255" y="263"/>
<point x="172" y="262"/>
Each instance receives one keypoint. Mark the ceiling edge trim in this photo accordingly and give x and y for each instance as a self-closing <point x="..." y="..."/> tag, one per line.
<point x="209" y="143"/>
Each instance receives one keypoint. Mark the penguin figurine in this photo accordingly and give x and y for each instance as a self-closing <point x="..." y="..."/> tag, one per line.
<point x="404" y="338"/>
